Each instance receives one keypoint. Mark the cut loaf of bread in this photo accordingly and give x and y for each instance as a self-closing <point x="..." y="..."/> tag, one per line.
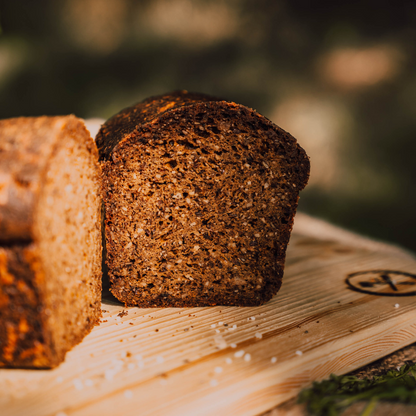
<point x="199" y="196"/>
<point x="50" y="239"/>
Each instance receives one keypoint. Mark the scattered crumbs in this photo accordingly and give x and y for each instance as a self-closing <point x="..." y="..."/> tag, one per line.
<point x="396" y="305"/>
<point x="228" y="360"/>
<point x="160" y="359"/>
<point x="104" y="311"/>
<point x="232" y="345"/>
<point x="121" y="340"/>
<point x="59" y="379"/>
<point x="128" y="394"/>
<point x="239" y="354"/>
<point x="131" y="323"/>
<point x="79" y="385"/>
<point x="306" y="332"/>
<point x="213" y="383"/>
<point x="105" y="320"/>
<point x="131" y="366"/>
<point x="220" y="323"/>
<point x="61" y="414"/>
<point x="299" y="353"/>
<point x="247" y="357"/>
<point x="122" y="313"/>
<point x="109" y="374"/>
<point x="128" y="354"/>
<point x="88" y="382"/>
<point x="225" y="324"/>
<point x="186" y="361"/>
<point x="317" y="322"/>
<point x="218" y="370"/>
<point x="134" y="336"/>
<point x="273" y="360"/>
<point x="156" y="330"/>
<point x="213" y="325"/>
<point x="258" y="335"/>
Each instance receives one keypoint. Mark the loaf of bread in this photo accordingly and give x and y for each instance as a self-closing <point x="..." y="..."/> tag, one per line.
<point x="199" y="196"/>
<point x="50" y="239"/>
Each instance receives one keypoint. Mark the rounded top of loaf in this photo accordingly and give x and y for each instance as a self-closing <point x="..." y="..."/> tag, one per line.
<point x="26" y="146"/>
<point x="155" y="111"/>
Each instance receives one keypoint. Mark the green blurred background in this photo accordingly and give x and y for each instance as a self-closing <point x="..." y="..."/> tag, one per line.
<point x="340" y="76"/>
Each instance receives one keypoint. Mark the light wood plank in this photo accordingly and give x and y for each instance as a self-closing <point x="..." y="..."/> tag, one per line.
<point x="173" y="361"/>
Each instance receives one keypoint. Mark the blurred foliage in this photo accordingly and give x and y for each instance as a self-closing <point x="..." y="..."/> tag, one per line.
<point x="338" y="75"/>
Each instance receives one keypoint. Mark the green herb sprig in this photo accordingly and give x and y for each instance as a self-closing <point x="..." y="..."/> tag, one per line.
<point x="330" y="397"/>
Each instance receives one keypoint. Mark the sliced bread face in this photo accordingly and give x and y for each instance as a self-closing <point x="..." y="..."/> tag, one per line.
<point x="50" y="269"/>
<point x="200" y="196"/>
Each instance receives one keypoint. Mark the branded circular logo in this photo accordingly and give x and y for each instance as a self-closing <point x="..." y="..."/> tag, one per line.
<point x="383" y="282"/>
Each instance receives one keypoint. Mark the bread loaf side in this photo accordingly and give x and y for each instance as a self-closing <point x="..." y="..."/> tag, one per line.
<point x="50" y="239"/>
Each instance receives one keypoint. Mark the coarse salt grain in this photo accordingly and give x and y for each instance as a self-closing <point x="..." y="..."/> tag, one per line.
<point x="258" y="335"/>
<point x="79" y="385"/>
<point x="273" y="360"/>
<point x="213" y="325"/>
<point x="217" y="331"/>
<point x="218" y="370"/>
<point x="239" y="354"/>
<point x="160" y="359"/>
<point x="396" y="305"/>
<point x="88" y="382"/>
<point x="109" y="374"/>
<point x="131" y="366"/>
<point x="247" y="357"/>
<point x="128" y="394"/>
<point x="213" y="383"/>
<point x="220" y="323"/>
<point x="228" y="360"/>
<point x="232" y="345"/>
<point x="299" y="353"/>
<point x="252" y="318"/>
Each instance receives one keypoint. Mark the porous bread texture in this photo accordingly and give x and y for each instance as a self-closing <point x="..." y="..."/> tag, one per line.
<point x="50" y="277"/>
<point x="199" y="202"/>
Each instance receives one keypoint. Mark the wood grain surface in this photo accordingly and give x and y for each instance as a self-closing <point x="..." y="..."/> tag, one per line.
<point x="230" y="360"/>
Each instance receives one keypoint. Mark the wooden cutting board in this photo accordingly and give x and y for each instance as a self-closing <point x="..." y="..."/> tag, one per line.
<point x="230" y="360"/>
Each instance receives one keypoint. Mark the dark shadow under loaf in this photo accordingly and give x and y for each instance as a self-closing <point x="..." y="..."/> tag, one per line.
<point x="200" y="196"/>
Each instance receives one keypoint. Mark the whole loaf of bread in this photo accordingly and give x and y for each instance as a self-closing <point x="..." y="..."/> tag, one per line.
<point x="200" y="196"/>
<point x="50" y="239"/>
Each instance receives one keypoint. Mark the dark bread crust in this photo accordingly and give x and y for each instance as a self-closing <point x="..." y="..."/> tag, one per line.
<point x="126" y="121"/>
<point x="26" y="339"/>
<point x="28" y="147"/>
<point x="235" y="253"/>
